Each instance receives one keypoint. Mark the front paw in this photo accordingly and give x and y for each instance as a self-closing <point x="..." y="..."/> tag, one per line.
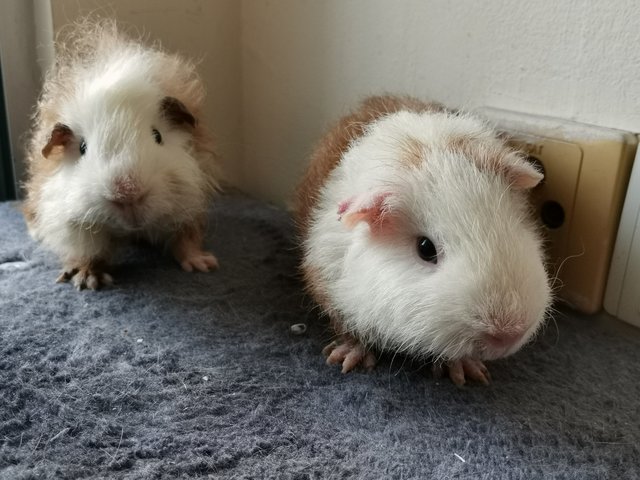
<point x="350" y="353"/>
<point x="199" y="260"/>
<point x="462" y="370"/>
<point x="86" y="276"/>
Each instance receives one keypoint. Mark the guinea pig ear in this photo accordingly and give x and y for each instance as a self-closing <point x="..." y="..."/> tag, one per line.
<point x="61" y="136"/>
<point x="522" y="175"/>
<point x="176" y="113"/>
<point x="372" y="208"/>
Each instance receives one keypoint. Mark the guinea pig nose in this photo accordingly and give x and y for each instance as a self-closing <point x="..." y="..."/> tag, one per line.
<point x="126" y="191"/>
<point x="502" y="339"/>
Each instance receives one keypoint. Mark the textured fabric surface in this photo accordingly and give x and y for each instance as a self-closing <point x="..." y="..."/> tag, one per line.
<point x="176" y="375"/>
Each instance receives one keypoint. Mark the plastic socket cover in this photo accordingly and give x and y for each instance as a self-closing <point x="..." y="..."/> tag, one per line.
<point x="579" y="202"/>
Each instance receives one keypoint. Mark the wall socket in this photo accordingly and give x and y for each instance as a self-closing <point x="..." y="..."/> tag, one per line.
<point x="579" y="202"/>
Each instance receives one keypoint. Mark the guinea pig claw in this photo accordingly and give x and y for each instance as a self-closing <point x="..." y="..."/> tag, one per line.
<point x="326" y="351"/>
<point x="91" y="280"/>
<point x="468" y="369"/>
<point x="350" y="354"/>
<point x="201" y="261"/>
<point x="66" y="275"/>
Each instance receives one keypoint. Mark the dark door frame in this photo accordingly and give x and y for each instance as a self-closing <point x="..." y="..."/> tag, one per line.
<point x="7" y="177"/>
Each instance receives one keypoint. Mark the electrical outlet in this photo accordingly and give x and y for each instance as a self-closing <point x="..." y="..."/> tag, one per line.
<point x="579" y="202"/>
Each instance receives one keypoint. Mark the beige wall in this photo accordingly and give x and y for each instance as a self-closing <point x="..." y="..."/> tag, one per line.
<point x="201" y="29"/>
<point x="306" y="62"/>
<point x="278" y="72"/>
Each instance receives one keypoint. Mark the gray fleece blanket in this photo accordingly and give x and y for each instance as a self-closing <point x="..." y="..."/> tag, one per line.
<point x="176" y="375"/>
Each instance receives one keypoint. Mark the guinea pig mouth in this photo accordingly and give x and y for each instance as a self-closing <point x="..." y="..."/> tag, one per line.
<point x="499" y="345"/>
<point x="130" y="215"/>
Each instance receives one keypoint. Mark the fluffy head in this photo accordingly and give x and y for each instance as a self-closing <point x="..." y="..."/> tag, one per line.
<point x="117" y="144"/>
<point x="422" y="241"/>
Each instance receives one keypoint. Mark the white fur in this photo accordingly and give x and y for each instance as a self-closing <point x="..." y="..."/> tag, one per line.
<point x="114" y="105"/>
<point x="489" y="277"/>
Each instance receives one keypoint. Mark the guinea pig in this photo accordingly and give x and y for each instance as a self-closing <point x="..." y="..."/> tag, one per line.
<point x="118" y="153"/>
<point x="418" y="238"/>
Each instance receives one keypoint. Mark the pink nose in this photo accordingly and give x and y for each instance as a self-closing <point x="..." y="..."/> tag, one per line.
<point x="502" y="339"/>
<point x="126" y="191"/>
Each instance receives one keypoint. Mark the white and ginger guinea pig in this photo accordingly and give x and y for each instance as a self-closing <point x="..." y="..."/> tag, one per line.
<point x="117" y="153"/>
<point x="417" y="238"/>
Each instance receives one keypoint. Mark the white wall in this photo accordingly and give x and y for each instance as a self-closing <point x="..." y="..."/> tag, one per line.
<point x="305" y="62"/>
<point x="202" y="29"/>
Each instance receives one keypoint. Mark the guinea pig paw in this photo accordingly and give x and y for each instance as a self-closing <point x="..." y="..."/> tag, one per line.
<point x="85" y="277"/>
<point x="201" y="261"/>
<point x="468" y="369"/>
<point x="66" y="275"/>
<point x="350" y="354"/>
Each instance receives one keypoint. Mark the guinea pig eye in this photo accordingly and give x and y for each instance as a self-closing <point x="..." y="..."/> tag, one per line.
<point x="156" y="135"/>
<point x="427" y="250"/>
<point x="82" y="147"/>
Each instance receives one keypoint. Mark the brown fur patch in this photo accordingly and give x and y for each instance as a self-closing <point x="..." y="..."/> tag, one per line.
<point x="413" y="152"/>
<point x="207" y="156"/>
<point x="488" y="155"/>
<point x="329" y="150"/>
<point x="314" y="285"/>
<point x="39" y="173"/>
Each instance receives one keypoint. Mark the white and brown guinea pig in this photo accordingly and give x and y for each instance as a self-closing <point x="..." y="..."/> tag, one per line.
<point x="118" y="152"/>
<point x="417" y="238"/>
